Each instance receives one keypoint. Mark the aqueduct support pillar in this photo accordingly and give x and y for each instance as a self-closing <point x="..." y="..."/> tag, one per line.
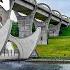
<point x="25" y="23"/>
<point x="44" y="26"/>
<point x="55" y="29"/>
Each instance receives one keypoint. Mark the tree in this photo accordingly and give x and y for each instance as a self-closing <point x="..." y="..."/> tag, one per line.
<point x="15" y="29"/>
<point x="33" y="28"/>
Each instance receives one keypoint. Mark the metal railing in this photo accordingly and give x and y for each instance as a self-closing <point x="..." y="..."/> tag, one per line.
<point x="6" y="52"/>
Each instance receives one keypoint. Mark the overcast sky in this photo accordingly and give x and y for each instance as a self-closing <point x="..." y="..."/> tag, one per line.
<point x="62" y="6"/>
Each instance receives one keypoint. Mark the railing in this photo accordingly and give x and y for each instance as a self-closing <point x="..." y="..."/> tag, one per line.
<point x="8" y="53"/>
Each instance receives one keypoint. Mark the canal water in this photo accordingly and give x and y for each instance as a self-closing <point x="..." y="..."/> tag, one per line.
<point x="32" y="66"/>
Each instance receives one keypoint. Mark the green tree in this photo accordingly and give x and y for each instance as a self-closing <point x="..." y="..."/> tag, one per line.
<point x="33" y="28"/>
<point x="15" y="29"/>
<point x="65" y="31"/>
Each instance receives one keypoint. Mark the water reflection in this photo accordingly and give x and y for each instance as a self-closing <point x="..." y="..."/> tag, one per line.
<point x="33" y="66"/>
<point x="42" y="67"/>
<point x="65" y="66"/>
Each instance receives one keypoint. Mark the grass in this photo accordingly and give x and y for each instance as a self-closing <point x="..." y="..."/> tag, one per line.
<point x="14" y="46"/>
<point x="58" y="47"/>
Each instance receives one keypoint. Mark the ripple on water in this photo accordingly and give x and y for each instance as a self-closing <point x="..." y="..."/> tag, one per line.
<point x="33" y="66"/>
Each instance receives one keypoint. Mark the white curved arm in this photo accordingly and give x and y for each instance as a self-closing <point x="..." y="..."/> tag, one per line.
<point x="4" y="33"/>
<point x="26" y="45"/>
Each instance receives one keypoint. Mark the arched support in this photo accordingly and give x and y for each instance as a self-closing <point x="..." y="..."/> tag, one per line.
<point x="56" y="29"/>
<point x="12" y="4"/>
<point x="4" y="33"/>
<point x="66" y="18"/>
<point x="26" y="45"/>
<point x="44" y="26"/>
<point x="25" y="23"/>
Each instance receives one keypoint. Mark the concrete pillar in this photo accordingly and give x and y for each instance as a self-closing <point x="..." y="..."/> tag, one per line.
<point x="54" y="30"/>
<point x="57" y="27"/>
<point x="47" y="22"/>
<point x="43" y="35"/>
<point x="25" y="23"/>
<point x="44" y="26"/>
<point x="5" y="14"/>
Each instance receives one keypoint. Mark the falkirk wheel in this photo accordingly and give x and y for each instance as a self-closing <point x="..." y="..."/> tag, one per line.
<point x="27" y="41"/>
<point x="25" y="45"/>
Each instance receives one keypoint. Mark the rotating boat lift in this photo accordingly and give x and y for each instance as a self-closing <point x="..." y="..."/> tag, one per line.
<point x="28" y="41"/>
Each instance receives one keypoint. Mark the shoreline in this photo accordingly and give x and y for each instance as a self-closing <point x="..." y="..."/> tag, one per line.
<point x="50" y="61"/>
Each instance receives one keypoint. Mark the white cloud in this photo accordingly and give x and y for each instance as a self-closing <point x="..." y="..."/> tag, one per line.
<point x="60" y="5"/>
<point x="12" y="16"/>
<point x="5" y="4"/>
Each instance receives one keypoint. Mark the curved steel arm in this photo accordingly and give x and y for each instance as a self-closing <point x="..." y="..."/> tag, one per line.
<point x="6" y="12"/>
<point x="49" y="11"/>
<point x="34" y="10"/>
<point x="26" y="45"/>
<point x="11" y="4"/>
<point x="37" y="5"/>
<point x="48" y="19"/>
<point x="48" y="8"/>
<point x="4" y="33"/>
<point x="60" y="22"/>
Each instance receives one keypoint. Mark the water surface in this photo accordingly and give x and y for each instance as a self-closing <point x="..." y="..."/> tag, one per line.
<point x="33" y="66"/>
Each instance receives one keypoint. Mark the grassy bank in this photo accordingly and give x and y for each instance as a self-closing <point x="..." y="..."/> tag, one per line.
<point x="58" y="47"/>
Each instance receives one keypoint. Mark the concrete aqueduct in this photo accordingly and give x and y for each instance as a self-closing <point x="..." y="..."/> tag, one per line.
<point x="39" y="14"/>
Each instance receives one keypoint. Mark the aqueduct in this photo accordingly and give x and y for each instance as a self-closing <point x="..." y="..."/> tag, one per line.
<point x="39" y="14"/>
